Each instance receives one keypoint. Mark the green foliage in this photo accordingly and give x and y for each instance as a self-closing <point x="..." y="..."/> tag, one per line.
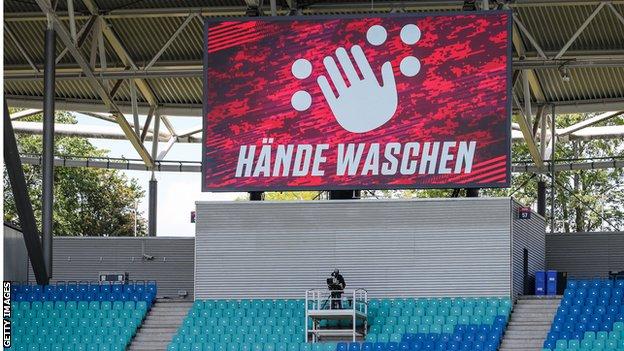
<point x="584" y="200"/>
<point x="87" y="201"/>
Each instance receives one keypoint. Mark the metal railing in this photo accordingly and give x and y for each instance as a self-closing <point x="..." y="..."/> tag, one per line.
<point x="324" y="304"/>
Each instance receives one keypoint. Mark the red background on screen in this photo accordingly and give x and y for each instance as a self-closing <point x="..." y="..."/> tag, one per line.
<point x="459" y="94"/>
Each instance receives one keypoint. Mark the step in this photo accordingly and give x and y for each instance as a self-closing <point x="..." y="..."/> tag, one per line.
<point x="160" y="325"/>
<point x="529" y="323"/>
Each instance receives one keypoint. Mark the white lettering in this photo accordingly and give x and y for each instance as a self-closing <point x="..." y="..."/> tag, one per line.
<point x="245" y="160"/>
<point x="283" y="158"/>
<point x="465" y="155"/>
<point x="349" y="159"/>
<point x="390" y="167"/>
<point x="371" y="165"/>
<point x="428" y="160"/>
<point x="318" y="159"/>
<point x="445" y="157"/>
<point x="264" y="162"/>
<point x="302" y="160"/>
<point x="407" y="167"/>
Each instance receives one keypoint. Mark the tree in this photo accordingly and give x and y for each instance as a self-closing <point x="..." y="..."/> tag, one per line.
<point x="87" y="201"/>
<point x="585" y="201"/>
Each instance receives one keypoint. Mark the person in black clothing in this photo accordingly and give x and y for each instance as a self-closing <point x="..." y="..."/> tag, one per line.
<point x="336" y="288"/>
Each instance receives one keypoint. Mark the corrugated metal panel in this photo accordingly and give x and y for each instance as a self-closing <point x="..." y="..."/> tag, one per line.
<point x="585" y="255"/>
<point x="15" y="255"/>
<point x="552" y="25"/>
<point x="529" y="234"/>
<point x="83" y="258"/>
<point x="428" y="247"/>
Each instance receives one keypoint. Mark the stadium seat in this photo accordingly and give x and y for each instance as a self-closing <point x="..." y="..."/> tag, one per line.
<point x="590" y="317"/>
<point x="75" y="316"/>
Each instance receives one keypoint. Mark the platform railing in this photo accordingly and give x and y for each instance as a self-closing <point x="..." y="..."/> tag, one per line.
<point x="323" y="304"/>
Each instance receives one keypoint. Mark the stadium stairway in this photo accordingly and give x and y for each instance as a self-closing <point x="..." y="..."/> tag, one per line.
<point x="160" y="325"/>
<point x="530" y="321"/>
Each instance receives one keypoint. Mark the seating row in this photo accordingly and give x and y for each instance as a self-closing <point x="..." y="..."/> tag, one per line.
<point x="103" y="287"/>
<point x="242" y="330"/>
<point x="441" y="310"/>
<point x="589" y="309"/>
<point x="95" y="325"/>
<point x="245" y="321"/>
<point x="197" y="346"/>
<point x="594" y="283"/>
<point x="477" y="320"/>
<point x="590" y="317"/>
<point x="69" y="347"/>
<point x="437" y="319"/>
<point x="218" y="313"/>
<point x="239" y="339"/>
<point x="79" y="305"/>
<point x="248" y="304"/>
<point x="436" y="302"/>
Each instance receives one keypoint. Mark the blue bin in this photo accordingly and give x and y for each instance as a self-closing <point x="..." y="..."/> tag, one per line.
<point x="540" y="283"/>
<point x="551" y="282"/>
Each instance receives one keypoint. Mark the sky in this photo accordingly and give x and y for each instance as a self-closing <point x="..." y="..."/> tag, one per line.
<point x="177" y="192"/>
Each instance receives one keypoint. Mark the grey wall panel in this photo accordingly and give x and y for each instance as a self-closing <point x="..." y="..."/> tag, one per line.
<point x="428" y="247"/>
<point x="529" y="234"/>
<point x="15" y="255"/>
<point x="585" y="255"/>
<point x="83" y="258"/>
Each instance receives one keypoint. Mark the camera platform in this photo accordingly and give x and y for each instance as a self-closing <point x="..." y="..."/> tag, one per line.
<point x="326" y="312"/>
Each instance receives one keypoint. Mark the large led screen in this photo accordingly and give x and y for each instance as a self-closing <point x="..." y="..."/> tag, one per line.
<point x="383" y="102"/>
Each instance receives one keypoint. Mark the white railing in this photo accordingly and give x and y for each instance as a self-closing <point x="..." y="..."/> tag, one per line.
<point x="324" y="299"/>
<point x="325" y="304"/>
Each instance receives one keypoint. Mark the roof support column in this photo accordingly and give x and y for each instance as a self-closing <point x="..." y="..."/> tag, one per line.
<point x="48" y="146"/>
<point x="15" y="172"/>
<point x="552" y="167"/>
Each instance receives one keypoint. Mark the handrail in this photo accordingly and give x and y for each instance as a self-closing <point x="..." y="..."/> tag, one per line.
<point x="323" y="300"/>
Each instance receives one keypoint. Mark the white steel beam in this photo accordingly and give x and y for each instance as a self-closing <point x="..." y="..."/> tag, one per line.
<point x="589" y="122"/>
<point x="190" y="166"/>
<point x="191" y="131"/>
<point x="82" y="35"/>
<point x="19" y="47"/>
<point x="532" y="40"/>
<point x="195" y="69"/>
<point x="109" y="118"/>
<point x="156" y="131"/>
<point x="518" y="44"/>
<point x="25" y="113"/>
<point x="96" y="85"/>
<point x="615" y="12"/>
<point x="168" y="146"/>
<point x="72" y="19"/>
<point x="110" y="132"/>
<point x="528" y="135"/>
<point x="580" y="30"/>
<point x="171" y="39"/>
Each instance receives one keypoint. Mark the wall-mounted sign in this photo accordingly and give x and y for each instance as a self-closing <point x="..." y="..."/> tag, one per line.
<point x="524" y="212"/>
<point x="383" y="102"/>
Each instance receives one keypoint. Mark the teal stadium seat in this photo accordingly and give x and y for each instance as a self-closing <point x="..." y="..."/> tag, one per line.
<point x="77" y="316"/>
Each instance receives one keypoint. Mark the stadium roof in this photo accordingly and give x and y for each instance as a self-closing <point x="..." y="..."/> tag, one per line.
<point x="568" y="54"/>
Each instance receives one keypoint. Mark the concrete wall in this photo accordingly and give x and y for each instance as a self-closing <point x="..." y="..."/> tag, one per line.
<point x="16" y="262"/>
<point x="426" y="247"/>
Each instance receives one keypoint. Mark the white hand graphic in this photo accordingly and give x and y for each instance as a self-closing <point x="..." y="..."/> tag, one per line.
<point x="365" y="104"/>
